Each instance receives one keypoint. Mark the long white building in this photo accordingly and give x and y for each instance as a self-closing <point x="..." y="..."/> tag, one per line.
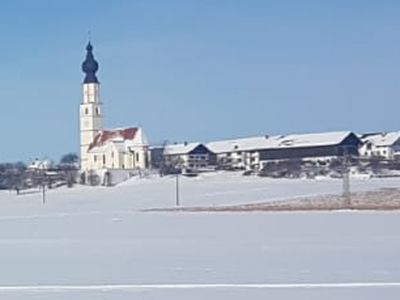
<point x="254" y="152"/>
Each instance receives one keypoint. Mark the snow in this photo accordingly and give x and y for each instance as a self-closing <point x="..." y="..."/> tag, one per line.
<point x="205" y="190"/>
<point x="178" y="149"/>
<point x="382" y="139"/>
<point x="96" y="243"/>
<point x="279" y="141"/>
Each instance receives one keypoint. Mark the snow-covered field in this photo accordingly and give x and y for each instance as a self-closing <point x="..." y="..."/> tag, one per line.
<point x="206" y="190"/>
<point x="95" y="243"/>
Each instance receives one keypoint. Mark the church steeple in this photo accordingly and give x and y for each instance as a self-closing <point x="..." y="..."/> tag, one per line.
<point x="91" y="116"/>
<point x="90" y="66"/>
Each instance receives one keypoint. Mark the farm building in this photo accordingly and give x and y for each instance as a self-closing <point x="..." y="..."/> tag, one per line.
<point x="253" y="152"/>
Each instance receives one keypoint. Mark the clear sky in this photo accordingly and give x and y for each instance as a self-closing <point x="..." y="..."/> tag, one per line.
<point x="197" y="70"/>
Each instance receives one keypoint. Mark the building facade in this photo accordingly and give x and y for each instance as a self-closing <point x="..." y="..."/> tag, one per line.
<point x="188" y="156"/>
<point x="119" y="149"/>
<point x="254" y="152"/>
<point x="101" y="149"/>
<point x="242" y="153"/>
<point x="384" y="145"/>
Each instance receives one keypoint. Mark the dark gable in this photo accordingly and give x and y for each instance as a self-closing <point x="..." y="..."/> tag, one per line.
<point x="349" y="145"/>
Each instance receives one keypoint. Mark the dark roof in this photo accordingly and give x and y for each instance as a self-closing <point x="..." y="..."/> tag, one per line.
<point x="90" y="66"/>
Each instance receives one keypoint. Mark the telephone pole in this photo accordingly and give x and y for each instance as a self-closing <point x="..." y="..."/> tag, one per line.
<point x="346" y="179"/>
<point x="43" y="193"/>
<point x="177" y="190"/>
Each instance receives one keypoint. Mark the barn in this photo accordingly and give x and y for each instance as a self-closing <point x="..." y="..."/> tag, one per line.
<point x="314" y="145"/>
<point x="253" y="152"/>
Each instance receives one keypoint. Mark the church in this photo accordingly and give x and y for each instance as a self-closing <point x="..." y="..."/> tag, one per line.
<point x="106" y="149"/>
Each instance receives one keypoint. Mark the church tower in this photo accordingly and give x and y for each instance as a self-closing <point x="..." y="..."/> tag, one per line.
<point x="91" y="118"/>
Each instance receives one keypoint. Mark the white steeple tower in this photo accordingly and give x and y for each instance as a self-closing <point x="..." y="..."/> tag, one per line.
<point x="91" y="118"/>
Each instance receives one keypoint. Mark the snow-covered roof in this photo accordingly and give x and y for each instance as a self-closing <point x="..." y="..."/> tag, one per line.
<point x="177" y="149"/>
<point x="279" y="141"/>
<point x="121" y="139"/>
<point x="236" y="144"/>
<point x="41" y="165"/>
<point x="382" y="138"/>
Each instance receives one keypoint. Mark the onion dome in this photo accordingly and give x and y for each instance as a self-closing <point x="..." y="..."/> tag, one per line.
<point x="90" y="66"/>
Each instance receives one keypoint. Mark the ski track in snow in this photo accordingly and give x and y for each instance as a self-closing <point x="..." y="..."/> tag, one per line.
<point x="130" y="287"/>
<point x="63" y="215"/>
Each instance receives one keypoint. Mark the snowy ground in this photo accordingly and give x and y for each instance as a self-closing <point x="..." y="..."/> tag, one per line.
<point x="206" y="190"/>
<point x="95" y="243"/>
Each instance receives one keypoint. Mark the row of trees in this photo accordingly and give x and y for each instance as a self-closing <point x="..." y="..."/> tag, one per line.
<point x="294" y="168"/>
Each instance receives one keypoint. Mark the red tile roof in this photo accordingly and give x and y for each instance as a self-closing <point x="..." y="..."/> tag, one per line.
<point x="108" y="135"/>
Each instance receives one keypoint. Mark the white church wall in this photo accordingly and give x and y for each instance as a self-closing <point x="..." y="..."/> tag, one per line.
<point x="110" y="151"/>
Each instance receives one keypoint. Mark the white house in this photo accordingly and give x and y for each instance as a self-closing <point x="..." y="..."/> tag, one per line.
<point x="106" y="149"/>
<point x="192" y="156"/>
<point x="383" y="145"/>
<point x="41" y="165"/>
<point x="238" y="153"/>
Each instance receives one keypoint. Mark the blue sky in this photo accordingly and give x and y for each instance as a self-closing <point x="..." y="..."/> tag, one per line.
<point x="197" y="70"/>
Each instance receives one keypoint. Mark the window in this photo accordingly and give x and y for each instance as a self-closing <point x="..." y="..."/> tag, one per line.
<point x="95" y="158"/>
<point x="104" y="159"/>
<point x="239" y="153"/>
<point x="86" y="111"/>
<point x="137" y="156"/>
<point x="97" y="111"/>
